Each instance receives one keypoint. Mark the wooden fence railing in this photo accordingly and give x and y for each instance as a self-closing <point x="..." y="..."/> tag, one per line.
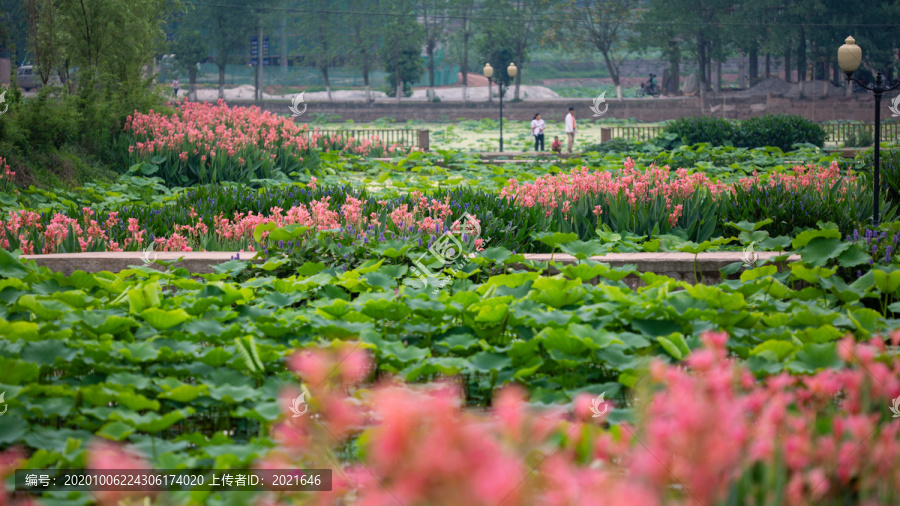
<point x="403" y="136"/>
<point x="835" y="132"/>
<point x="840" y="132"/>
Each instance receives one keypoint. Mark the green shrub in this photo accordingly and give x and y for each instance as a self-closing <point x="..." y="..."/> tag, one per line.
<point x="697" y="129"/>
<point x="889" y="169"/>
<point x="779" y="130"/>
<point x="617" y="145"/>
<point x="775" y="130"/>
<point x="49" y="119"/>
<point x="862" y="139"/>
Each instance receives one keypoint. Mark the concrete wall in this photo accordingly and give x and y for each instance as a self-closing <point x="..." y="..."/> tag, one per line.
<point x="5" y="69"/>
<point x="858" y="107"/>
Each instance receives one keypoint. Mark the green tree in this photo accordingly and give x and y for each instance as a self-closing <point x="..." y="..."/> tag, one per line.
<point x="400" y="52"/>
<point x="522" y="21"/>
<point x="697" y="24"/>
<point x="190" y="48"/>
<point x="229" y="31"/>
<point x="600" y="25"/>
<point x="497" y="44"/>
<point x="432" y="14"/>
<point x="365" y="34"/>
<point x="324" y="39"/>
<point x="111" y="40"/>
<point x="43" y="43"/>
<point x="460" y="38"/>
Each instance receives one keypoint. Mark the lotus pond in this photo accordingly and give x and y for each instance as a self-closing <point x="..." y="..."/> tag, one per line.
<point x="479" y="376"/>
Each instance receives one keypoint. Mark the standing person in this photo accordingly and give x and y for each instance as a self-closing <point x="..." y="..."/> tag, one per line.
<point x="175" y="88"/>
<point x="537" y="130"/>
<point x="570" y="127"/>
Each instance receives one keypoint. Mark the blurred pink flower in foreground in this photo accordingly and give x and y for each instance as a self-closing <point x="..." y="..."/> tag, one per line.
<point x="706" y="430"/>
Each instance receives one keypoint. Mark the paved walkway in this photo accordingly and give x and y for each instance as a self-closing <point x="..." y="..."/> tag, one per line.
<point x="680" y="266"/>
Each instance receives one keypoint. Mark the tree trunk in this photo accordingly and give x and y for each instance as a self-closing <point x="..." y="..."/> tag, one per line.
<point x="801" y="56"/>
<point x="192" y="80"/>
<point x="327" y="82"/>
<point x="366" y="81"/>
<point x="520" y="49"/>
<point x="430" y="94"/>
<point x="701" y="63"/>
<point x="284" y="51"/>
<point x="613" y="73"/>
<point x="768" y="65"/>
<point x="464" y="65"/>
<point x="518" y="83"/>
<point x="221" y="81"/>
<point x="674" y="65"/>
<point x="754" y="66"/>
<point x="787" y="63"/>
<point x="718" y="76"/>
<point x="399" y="82"/>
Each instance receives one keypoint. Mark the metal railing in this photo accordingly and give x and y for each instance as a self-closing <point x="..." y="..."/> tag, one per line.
<point x="402" y="136"/>
<point x="836" y="132"/>
<point x="635" y="133"/>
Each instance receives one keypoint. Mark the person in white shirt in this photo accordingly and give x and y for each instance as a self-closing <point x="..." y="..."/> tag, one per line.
<point x="537" y="130"/>
<point x="570" y="127"/>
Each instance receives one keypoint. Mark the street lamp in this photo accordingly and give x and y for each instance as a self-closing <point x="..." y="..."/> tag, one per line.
<point x="849" y="57"/>
<point x="488" y="71"/>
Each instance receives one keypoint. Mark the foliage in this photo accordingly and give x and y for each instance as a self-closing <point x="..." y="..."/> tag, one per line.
<point x="400" y="53"/>
<point x="889" y="171"/>
<point x="782" y="131"/>
<point x="697" y="129"/>
<point x="203" y="143"/>
<point x="151" y="358"/>
<point x="599" y="25"/>
<point x="497" y="40"/>
<point x="617" y="145"/>
<point x="779" y="130"/>
<point x="48" y="120"/>
<point x="859" y="139"/>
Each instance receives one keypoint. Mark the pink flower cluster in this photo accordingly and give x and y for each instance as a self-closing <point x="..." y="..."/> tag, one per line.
<point x="562" y="190"/>
<point x="705" y="426"/>
<point x="87" y="231"/>
<point x="7" y="175"/>
<point x="216" y="132"/>
<point x="809" y="176"/>
<point x="550" y="192"/>
<point x="702" y="429"/>
<point x="426" y="217"/>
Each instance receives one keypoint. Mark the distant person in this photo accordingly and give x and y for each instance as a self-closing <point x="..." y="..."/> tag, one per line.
<point x="537" y="130"/>
<point x="570" y="127"/>
<point x="556" y="147"/>
<point x="175" y="88"/>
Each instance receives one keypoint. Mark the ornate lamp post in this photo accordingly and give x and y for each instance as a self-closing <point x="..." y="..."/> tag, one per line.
<point x="849" y="57"/>
<point x="488" y="71"/>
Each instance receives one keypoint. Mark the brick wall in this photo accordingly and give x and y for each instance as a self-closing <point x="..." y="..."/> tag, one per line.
<point x="858" y="107"/>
